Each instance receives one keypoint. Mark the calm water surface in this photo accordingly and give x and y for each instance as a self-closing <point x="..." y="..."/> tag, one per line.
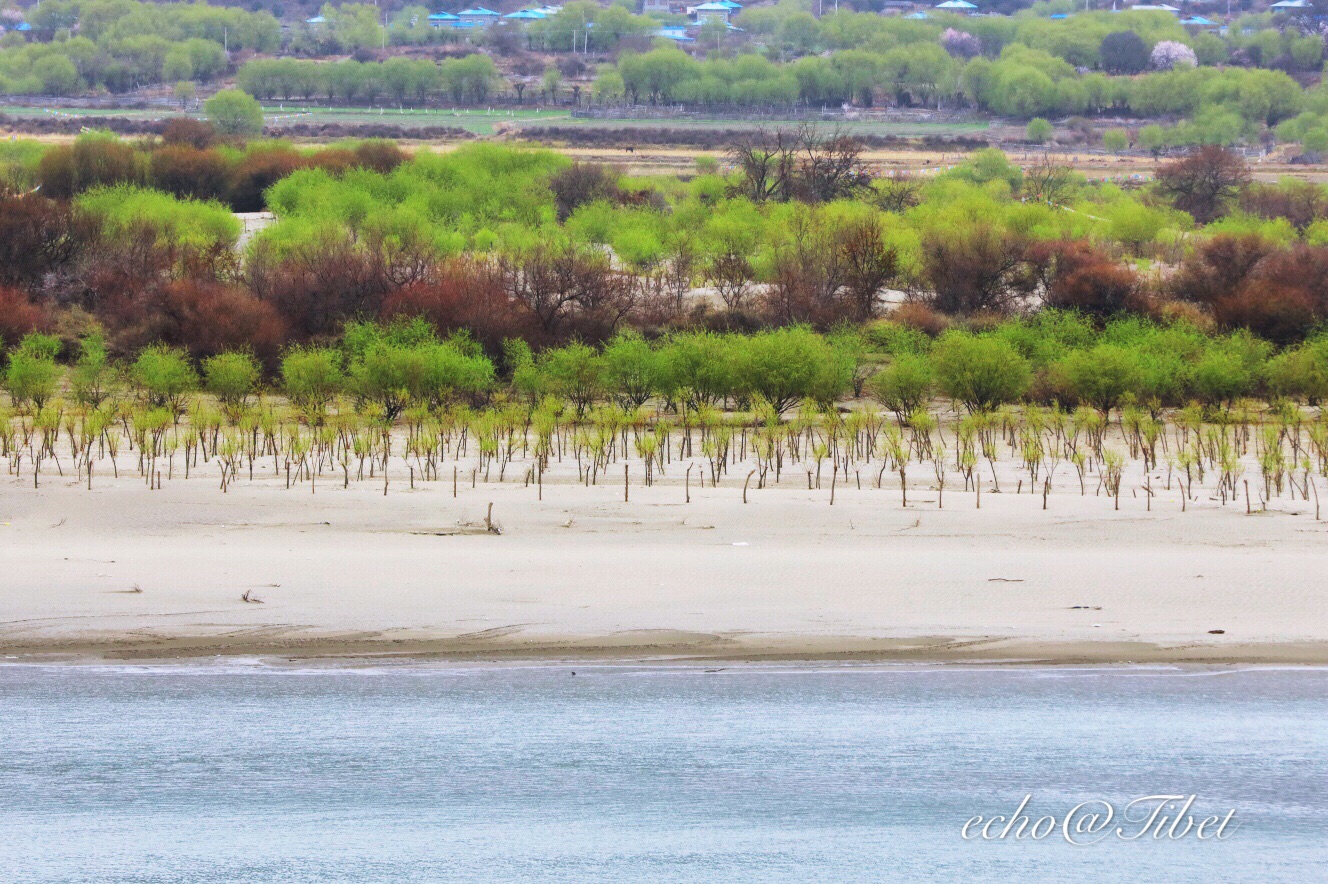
<point x="255" y="773"/>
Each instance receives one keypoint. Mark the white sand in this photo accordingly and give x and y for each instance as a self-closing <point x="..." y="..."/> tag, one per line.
<point x="351" y="572"/>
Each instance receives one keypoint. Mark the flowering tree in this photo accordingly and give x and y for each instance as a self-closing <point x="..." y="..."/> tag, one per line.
<point x="1169" y="53"/>
<point x="960" y="44"/>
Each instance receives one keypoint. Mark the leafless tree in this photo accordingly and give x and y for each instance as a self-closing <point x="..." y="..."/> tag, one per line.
<point x="899" y="193"/>
<point x="869" y="265"/>
<point x="1048" y="181"/>
<point x="731" y="275"/>
<point x="1205" y="182"/>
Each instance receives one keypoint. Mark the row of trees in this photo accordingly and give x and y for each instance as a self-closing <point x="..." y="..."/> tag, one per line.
<point x="1052" y="359"/>
<point x="472" y="78"/>
<point x="1020" y="82"/>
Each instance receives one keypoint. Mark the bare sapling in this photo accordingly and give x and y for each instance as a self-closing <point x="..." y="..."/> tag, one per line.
<point x="939" y="467"/>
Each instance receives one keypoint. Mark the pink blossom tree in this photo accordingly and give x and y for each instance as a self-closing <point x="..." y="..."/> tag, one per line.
<point x="960" y="44"/>
<point x="1170" y="53"/>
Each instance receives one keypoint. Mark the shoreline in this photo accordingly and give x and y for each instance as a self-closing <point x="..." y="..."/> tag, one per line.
<point x="667" y="647"/>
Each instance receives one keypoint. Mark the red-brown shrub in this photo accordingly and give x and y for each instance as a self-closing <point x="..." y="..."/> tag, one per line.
<point x="916" y="315"/>
<point x="198" y="134"/>
<point x="1081" y="277"/>
<point x="379" y="155"/>
<point x="984" y="269"/>
<point x="208" y="318"/>
<point x="189" y="172"/>
<point x="66" y="170"/>
<point x="334" y="160"/>
<point x="465" y="295"/>
<point x="261" y="168"/>
<point x="18" y="315"/>
<point x="1216" y="268"/>
<point x="1282" y="314"/>
<point x="39" y="236"/>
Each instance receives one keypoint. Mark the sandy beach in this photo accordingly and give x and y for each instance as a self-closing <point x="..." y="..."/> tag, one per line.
<point x="125" y="572"/>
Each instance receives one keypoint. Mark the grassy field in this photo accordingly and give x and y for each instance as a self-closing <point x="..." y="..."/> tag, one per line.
<point x="860" y="127"/>
<point x="485" y="122"/>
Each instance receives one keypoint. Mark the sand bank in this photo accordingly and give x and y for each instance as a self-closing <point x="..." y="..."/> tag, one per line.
<point x="125" y="572"/>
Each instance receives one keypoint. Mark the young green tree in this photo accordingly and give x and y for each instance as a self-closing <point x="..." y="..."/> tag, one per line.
<point x="436" y="373"/>
<point x="1301" y="373"/>
<point x="1039" y="131"/>
<point x="575" y="372"/>
<point x="981" y="373"/>
<point x="312" y="377"/>
<point x="1220" y="377"/>
<point x="1115" y="140"/>
<point x="235" y="113"/>
<point x="632" y="369"/>
<point x="699" y="368"/>
<point x="32" y="376"/>
<point x="164" y="377"/>
<point x="232" y="378"/>
<point x="93" y="375"/>
<point x="904" y="386"/>
<point x="385" y="374"/>
<point x="1153" y="138"/>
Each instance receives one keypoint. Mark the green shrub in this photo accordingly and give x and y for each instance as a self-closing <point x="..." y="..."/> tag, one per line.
<point x="632" y="369"/>
<point x="93" y="373"/>
<point x="789" y="365"/>
<point x="1100" y="377"/>
<point x="981" y="373"/>
<point x="1115" y="140"/>
<point x="575" y="372"/>
<point x="1038" y="131"/>
<point x="905" y="385"/>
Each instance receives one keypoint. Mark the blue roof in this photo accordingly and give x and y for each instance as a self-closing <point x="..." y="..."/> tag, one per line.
<point x="1198" y="21"/>
<point x="712" y="7"/>
<point x="729" y="3"/>
<point x="525" y="15"/>
<point x="677" y="38"/>
<point x="22" y="26"/>
<point x="443" y="16"/>
<point x="917" y="16"/>
<point x="478" y="10"/>
<point x="1059" y="16"/>
<point x="316" y="20"/>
